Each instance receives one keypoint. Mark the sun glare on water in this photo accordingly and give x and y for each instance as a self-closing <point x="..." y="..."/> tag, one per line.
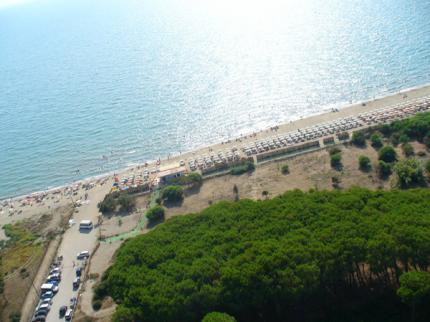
<point x="8" y="3"/>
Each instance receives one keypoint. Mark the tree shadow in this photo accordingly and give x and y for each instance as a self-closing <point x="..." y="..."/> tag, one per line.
<point x="193" y="190"/>
<point x="173" y="204"/>
<point x="153" y="223"/>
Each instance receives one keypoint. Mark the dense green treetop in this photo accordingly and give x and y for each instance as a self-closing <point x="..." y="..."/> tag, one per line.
<point x="218" y="317"/>
<point x="306" y="256"/>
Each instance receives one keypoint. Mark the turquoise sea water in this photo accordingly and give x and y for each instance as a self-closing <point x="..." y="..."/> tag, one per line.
<point x="135" y="80"/>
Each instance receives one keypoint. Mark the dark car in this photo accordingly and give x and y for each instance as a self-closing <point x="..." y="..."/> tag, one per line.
<point x="78" y="271"/>
<point x="63" y="311"/>
<point x="39" y="319"/>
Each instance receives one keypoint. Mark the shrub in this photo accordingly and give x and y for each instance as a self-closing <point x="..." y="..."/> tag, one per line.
<point x="404" y="139"/>
<point x="126" y="202"/>
<point x="387" y="154"/>
<point x="155" y="213"/>
<point x="384" y="169"/>
<point x="218" y="317"/>
<point x="376" y="141"/>
<point x="409" y="173"/>
<point x="408" y="149"/>
<point x="97" y="304"/>
<point x="285" y="169"/>
<point x="15" y="317"/>
<point x="427" y="166"/>
<point x="343" y="136"/>
<point x="248" y="166"/>
<point x="195" y="177"/>
<point x="358" y="138"/>
<point x="395" y="139"/>
<point x="108" y="204"/>
<point x="364" y="163"/>
<point x="173" y="193"/>
<point x="336" y="160"/>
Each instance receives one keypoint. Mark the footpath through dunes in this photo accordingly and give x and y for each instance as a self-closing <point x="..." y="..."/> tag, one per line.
<point x="316" y="256"/>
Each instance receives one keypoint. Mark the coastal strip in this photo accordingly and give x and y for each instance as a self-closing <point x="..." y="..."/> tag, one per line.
<point x="353" y="110"/>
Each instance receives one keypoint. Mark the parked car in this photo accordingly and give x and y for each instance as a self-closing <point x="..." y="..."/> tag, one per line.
<point x="68" y="315"/>
<point x="73" y="301"/>
<point x="39" y="319"/>
<point x="55" y="270"/>
<point x="76" y="282"/>
<point x="46" y="301"/>
<point x="40" y="314"/>
<point x="44" y="307"/>
<point x="54" y="277"/>
<point x="47" y="295"/>
<point x="55" y="289"/>
<point x="78" y="271"/>
<point x="62" y="311"/>
<point x="84" y="254"/>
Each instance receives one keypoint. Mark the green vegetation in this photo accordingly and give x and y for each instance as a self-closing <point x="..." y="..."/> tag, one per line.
<point x="358" y="138"/>
<point x="364" y="163"/>
<point x="155" y="213"/>
<point x="416" y="127"/>
<point x="387" y="154"/>
<point x="218" y="317"/>
<point x="427" y="166"/>
<point x="408" y="149"/>
<point x="376" y="140"/>
<point x="126" y="202"/>
<point x="409" y="173"/>
<point x="15" y="317"/>
<point x="191" y="179"/>
<point x="114" y="199"/>
<point x="285" y="169"/>
<point x="414" y="287"/>
<point x="384" y="169"/>
<point x="336" y="160"/>
<point x="97" y="304"/>
<point x="247" y="166"/>
<point x="339" y="253"/>
<point x="172" y="194"/>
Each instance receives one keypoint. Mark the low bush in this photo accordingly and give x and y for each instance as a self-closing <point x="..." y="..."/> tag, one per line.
<point x="336" y="160"/>
<point x="376" y="140"/>
<point x="172" y="193"/>
<point x="409" y="173"/>
<point x="248" y="166"/>
<point x="358" y="138"/>
<point x="387" y="154"/>
<point x="155" y="213"/>
<point x="285" y="169"/>
<point x="408" y="149"/>
<point x="384" y="169"/>
<point x="218" y="317"/>
<point x="364" y="163"/>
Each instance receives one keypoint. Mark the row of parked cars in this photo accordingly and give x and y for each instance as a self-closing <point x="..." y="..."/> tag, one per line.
<point x="51" y="287"/>
<point x="48" y="291"/>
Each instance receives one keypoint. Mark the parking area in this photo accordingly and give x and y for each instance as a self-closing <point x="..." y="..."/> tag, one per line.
<point x="59" y="293"/>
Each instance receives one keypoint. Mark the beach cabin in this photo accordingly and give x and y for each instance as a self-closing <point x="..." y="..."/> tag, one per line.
<point x="166" y="175"/>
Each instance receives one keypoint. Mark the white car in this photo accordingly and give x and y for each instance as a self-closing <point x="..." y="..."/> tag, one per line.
<point x="84" y="254"/>
<point x="44" y="307"/>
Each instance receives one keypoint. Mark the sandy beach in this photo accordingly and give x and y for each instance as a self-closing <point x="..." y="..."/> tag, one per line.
<point x="22" y="207"/>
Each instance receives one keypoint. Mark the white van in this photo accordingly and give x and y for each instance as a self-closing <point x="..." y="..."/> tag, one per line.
<point x="86" y="224"/>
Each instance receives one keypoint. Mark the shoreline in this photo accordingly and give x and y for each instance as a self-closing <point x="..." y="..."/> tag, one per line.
<point x="324" y="115"/>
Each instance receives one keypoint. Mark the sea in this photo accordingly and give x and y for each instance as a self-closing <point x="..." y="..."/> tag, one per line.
<point x="92" y="86"/>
